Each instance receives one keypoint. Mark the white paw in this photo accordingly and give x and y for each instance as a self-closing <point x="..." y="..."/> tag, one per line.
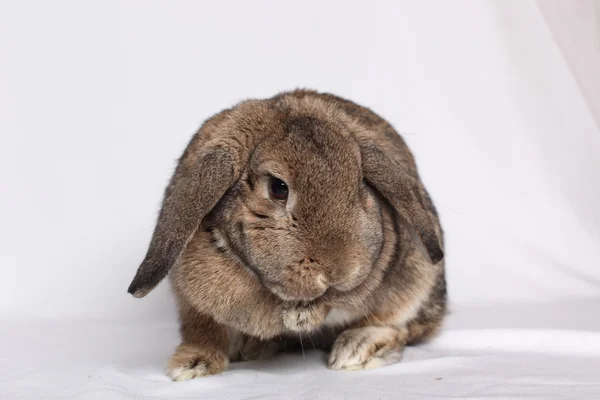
<point x="185" y="373"/>
<point x="302" y="318"/>
<point x="365" y="348"/>
<point x="190" y="362"/>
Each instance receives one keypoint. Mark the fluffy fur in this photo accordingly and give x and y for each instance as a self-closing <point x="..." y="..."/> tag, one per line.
<point x="354" y="257"/>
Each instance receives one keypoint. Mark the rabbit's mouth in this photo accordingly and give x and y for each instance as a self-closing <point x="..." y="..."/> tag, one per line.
<point x="307" y="286"/>
<point x="297" y="292"/>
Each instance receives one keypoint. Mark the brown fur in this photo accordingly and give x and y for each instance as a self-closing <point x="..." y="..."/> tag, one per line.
<point x="358" y="235"/>
<point x="204" y="346"/>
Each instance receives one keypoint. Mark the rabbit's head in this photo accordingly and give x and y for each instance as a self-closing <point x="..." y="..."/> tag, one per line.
<point x="291" y="187"/>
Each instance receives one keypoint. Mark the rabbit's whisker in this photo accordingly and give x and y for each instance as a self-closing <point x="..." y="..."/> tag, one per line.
<point x="311" y="341"/>
<point x="301" y="345"/>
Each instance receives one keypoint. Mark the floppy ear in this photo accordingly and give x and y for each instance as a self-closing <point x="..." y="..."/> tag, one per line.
<point x="401" y="190"/>
<point x="203" y="175"/>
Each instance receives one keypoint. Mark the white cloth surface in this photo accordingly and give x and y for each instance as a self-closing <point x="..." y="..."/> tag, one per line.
<point x="542" y="358"/>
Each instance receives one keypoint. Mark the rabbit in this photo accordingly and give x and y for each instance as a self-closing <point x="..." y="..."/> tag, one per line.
<point x="301" y="214"/>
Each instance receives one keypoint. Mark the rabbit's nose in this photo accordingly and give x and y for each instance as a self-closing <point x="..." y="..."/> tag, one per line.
<point x="307" y="269"/>
<point x="307" y="264"/>
<point x="303" y="280"/>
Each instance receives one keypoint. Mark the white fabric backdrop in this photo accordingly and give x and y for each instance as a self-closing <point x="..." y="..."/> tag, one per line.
<point x="498" y="100"/>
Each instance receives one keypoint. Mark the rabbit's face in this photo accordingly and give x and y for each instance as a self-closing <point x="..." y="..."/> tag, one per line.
<point x="302" y="218"/>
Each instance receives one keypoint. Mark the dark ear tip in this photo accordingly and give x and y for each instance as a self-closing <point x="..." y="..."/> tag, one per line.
<point x="434" y="250"/>
<point x="136" y="291"/>
<point x="436" y="255"/>
<point x="146" y="278"/>
<point x="432" y="246"/>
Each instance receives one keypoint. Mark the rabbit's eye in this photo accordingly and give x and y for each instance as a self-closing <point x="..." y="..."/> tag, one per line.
<point x="278" y="189"/>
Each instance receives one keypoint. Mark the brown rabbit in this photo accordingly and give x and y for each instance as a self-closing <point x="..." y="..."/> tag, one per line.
<point x="302" y="213"/>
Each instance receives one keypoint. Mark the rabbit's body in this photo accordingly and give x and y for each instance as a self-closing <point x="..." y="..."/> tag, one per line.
<point x="297" y="217"/>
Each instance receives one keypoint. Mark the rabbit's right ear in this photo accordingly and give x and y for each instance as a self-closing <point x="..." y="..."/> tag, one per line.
<point x="203" y="175"/>
<point x="388" y="177"/>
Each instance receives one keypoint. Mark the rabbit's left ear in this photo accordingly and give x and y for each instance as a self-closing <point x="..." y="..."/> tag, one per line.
<point x="205" y="172"/>
<point x="402" y="191"/>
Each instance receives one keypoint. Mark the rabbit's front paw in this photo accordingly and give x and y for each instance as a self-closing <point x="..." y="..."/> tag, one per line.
<point x="190" y="361"/>
<point x="367" y="347"/>
<point x="303" y="317"/>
